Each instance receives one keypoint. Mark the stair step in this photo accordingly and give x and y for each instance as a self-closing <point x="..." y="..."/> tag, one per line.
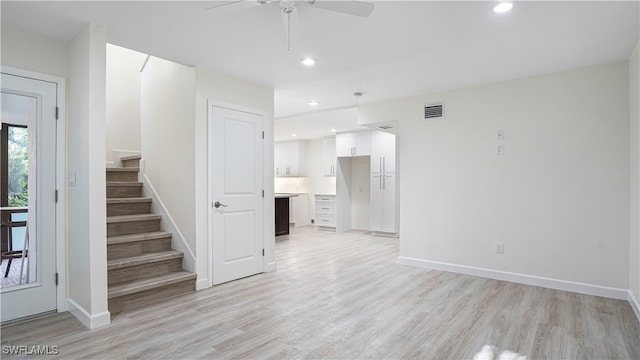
<point x="143" y="259"/>
<point x="148" y="283"/>
<point x="114" y="240"/>
<point x="131" y="161"/>
<point x="130" y="218"/>
<point x="120" y="189"/>
<point x="119" y="247"/>
<point x="144" y="292"/>
<point x="128" y="206"/>
<point x="132" y="224"/>
<point x="128" y="174"/>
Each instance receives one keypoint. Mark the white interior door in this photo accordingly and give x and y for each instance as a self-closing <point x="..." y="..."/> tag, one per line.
<point x="236" y="170"/>
<point x="32" y="103"/>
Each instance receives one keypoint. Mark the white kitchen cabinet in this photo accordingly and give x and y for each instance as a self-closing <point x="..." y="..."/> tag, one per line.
<point x="329" y="158"/>
<point x="325" y="209"/>
<point x="286" y="158"/>
<point x="298" y="210"/>
<point x="353" y="144"/>
<point x="383" y="203"/>
<point x="383" y="152"/>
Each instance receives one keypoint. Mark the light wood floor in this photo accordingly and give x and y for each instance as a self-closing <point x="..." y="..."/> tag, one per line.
<point x="341" y="296"/>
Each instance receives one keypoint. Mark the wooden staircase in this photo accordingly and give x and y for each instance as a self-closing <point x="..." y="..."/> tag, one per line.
<point x="142" y="267"/>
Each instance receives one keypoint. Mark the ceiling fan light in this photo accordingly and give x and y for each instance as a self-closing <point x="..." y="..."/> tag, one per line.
<point x="308" y="61"/>
<point x="503" y="7"/>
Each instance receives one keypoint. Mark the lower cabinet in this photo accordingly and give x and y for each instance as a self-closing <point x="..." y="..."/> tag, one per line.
<point x="325" y="207"/>
<point x="383" y="202"/>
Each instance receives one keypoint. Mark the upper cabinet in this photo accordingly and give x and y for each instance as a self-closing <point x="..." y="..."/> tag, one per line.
<point x="383" y="152"/>
<point x="286" y="158"/>
<point x="353" y="144"/>
<point x="329" y="156"/>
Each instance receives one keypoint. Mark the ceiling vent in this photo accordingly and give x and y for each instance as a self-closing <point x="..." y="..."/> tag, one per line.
<point x="385" y="127"/>
<point x="434" y="110"/>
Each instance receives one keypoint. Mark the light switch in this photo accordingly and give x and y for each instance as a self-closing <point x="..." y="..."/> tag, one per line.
<point x="71" y="178"/>
<point x="500" y="135"/>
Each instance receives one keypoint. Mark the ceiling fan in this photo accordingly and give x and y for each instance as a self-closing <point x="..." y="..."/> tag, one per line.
<point x="289" y="11"/>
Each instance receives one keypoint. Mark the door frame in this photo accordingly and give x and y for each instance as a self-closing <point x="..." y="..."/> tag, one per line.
<point x="263" y="114"/>
<point x="60" y="178"/>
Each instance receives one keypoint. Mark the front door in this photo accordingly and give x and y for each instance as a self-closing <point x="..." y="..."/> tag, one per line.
<point x="237" y="148"/>
<point x="27" y="180"/>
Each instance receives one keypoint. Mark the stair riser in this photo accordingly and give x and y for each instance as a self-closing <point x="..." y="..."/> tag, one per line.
<point x="128" y="209"/>
<point x="131" y="163"/>
<point x="125" y="176"/>
<point x="149" y="297"/>
<point x="133" y="227"/>
<point x="119" y="251"/>
<point x="115" y="191"/>
<point x="138" y="271"/>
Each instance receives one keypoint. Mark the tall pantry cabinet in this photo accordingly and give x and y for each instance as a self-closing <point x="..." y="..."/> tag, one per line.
<point x="384" y="213"/>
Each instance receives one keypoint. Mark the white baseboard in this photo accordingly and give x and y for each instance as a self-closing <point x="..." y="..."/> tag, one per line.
<point x="635" y="305"/>
<point x="202" y="284"/>
<point x="178" y="241"/>
<point x="588" y="289"/>
<point x="88" y="320"/>
<point x="271" y="267"/>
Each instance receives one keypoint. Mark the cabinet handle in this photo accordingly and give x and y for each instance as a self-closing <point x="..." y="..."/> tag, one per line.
<point x="384" y="183"/>
<point x="384" y="163"/>
<point x="380" y="185"/>
<point x="380" y="163"/>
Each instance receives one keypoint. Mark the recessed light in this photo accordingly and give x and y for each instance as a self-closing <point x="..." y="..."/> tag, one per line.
<point x="294" y="135"/>
<point x="333" y="130"/>
<point x="503" y="7"/>
<point x="314" y="103"/>
<point x="308" y="61"/>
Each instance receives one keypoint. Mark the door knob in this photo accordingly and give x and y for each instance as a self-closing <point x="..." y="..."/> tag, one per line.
<point x="217" y="204"/>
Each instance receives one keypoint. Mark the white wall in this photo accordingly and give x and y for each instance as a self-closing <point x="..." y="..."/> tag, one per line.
<point x="87" y="251"/>
<point x="34" y="52"/>
<point x="212" y="85"/>
<point x="634" y="122"/>
<point x="558" y="198"/>
<point x="168" y="136"/>
<point x="123" y="100"/>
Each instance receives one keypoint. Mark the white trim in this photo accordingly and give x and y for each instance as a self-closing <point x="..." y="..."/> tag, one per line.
<point x="211" y="103"/>
<point x="61" y="176"/>
<point x="202" y="284"/>
<point x="582" y="288"/>
<point x="635" y="305"/>
<point x="89" y="321"/>
<point x="167" y="223"/>
<point x="271" y="267"/>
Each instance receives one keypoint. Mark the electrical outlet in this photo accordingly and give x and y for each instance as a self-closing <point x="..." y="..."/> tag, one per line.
<point x="500" y="135"/>
<point x="500" y="149"/>
<point x="499" y="248"/>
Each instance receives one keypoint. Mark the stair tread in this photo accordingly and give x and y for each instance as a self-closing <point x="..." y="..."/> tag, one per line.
<point x="143" y="259"/>
<point x="136" y="217"/>
<point x="123" y="169"/>
<point x="112" y="240"/>
<point x="127" y="200"/>
<point x="123" y="183"/>
<point x="131" y="157"/>
<point x="147" y="283"/>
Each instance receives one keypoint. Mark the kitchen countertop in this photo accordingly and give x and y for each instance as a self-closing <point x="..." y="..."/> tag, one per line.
<point x="285" y="195"/>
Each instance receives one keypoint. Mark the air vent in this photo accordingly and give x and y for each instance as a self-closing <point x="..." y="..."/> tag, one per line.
<point x="385" y="127"/>
<point x="434" y="110"/>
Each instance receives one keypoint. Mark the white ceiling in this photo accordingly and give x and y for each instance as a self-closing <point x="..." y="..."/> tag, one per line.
<point x="403" y="48"/>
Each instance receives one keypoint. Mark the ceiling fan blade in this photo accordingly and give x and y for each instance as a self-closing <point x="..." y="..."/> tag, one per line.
<point x="227" y="6"/>
<point x="357" y="8"/>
